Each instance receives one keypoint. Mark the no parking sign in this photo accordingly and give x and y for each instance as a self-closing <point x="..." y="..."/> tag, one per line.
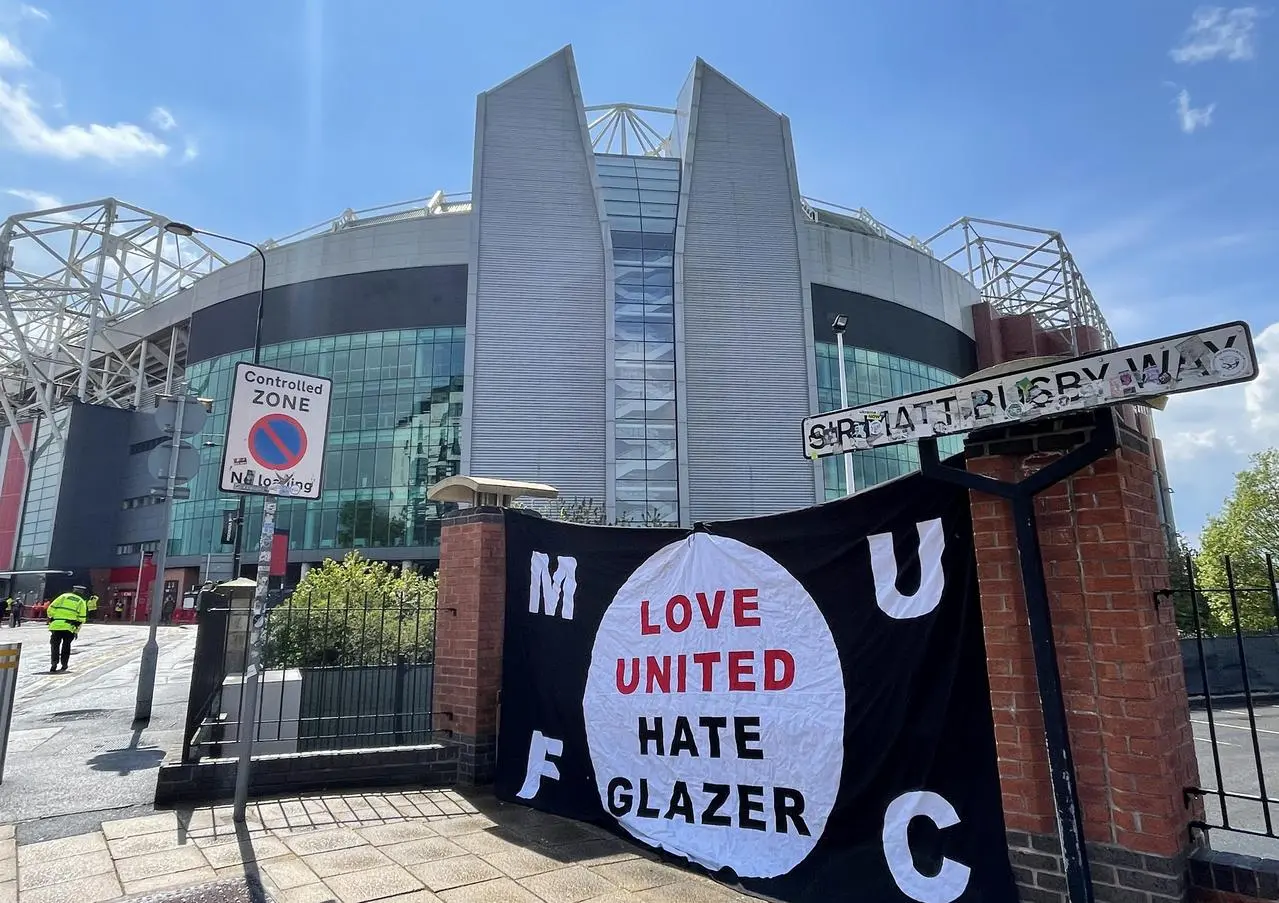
<point x="276" y="432"/>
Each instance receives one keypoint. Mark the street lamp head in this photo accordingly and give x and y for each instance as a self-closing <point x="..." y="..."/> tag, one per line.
<point x="839" y="323"/>
<point x="181" y="229"/>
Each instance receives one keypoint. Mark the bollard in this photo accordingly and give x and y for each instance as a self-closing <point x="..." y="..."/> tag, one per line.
<point x="9" y="655"/>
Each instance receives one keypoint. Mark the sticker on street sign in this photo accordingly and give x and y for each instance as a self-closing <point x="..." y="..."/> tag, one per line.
<point x="1216" y="356"/>
<point x="276" y="432"/>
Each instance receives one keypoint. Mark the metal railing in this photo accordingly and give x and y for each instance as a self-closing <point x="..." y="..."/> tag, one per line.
<point x="340" y="672"/>
<point x="1230" y="649"/>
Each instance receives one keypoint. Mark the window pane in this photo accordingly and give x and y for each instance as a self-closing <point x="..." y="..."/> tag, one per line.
<point x="658" y="332"/>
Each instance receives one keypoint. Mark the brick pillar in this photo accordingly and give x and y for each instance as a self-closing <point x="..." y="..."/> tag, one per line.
<point x="468" y="637"/>
<point x="1119" y="660"/>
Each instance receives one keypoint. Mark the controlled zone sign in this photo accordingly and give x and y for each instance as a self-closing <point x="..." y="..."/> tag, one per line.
<point x="276" y="432"/>
<point x="1216" y="356"/>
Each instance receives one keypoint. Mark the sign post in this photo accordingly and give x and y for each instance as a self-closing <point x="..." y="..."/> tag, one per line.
<point x="276" y="432"/>
<point x="10" y="655"/>
<point x="1077" y="388"/>
<point x="175" y="462"/>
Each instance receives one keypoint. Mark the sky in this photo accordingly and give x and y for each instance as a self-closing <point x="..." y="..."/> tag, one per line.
<point x="1144" y="131"/>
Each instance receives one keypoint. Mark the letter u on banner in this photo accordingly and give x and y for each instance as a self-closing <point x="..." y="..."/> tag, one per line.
<point x="883" y="565"/>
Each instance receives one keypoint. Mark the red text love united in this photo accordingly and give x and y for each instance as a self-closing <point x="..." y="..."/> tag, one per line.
<point x="741" y="670"/>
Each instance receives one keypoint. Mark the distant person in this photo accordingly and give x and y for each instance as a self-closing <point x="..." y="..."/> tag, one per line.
<point x="15" y="613"/>
<point x="5" y="608"/>
<point x="66" y="615"/>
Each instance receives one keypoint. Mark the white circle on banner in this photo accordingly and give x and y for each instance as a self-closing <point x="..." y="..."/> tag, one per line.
<point x="746" y="748"/>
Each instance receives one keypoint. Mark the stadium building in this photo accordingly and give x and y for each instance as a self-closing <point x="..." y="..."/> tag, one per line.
<point x="633" y="304"/>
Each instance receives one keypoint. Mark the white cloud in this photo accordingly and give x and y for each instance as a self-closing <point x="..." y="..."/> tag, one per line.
<point x="1208" y="435"/>
<point x="162" y="119"/>
<point x="34" y="12"/>
<point x="1215" y="32"/>
<point x="10" y="56"/>
<point x="21" y="121"/>
<point x="1192" y="118"/>
<point x="190" y="151"/>
<point x="37" y="199"/>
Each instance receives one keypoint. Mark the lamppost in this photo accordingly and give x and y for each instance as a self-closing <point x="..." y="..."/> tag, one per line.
<point x="839" y="324"/>
<point x="185" y="231"/>
<point x="249" y="685"/>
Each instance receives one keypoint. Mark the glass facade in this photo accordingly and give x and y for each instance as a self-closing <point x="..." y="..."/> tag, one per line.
<point x="41" y="505"/>
<point x="873" y="376"/>
<point x="394" y="430"/>
<point x="641" y="198"/>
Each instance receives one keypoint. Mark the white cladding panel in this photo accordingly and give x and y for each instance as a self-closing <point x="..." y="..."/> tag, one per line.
<point x="888" y="270"/>
<point x="745" y="356"/>
<point x="536" y="324"/>
<point x="425" y="241"/>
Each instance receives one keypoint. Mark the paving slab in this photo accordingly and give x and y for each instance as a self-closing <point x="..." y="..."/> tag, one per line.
<point x="8" y="892"/>
<point x="184" y="879"/>
<point x="224" y="855"/>
<point x="568" y="885"/>
<point x="520" y="863"/>
<point x="396" y="832"/>
<point x="288" y="872"/>
<point x="443" y="874"/>
<point x="63" y="848"/>
<point x="61" y="871"/>
<point x="501" y="890"/>
<point x="342" y="862"/>
<point x="95" y="889"/>
<point x="638" y="874"/>
<point x="426" y="849"/>
<point x="141" y="844"/>
<point x="372" y="884"/>
<point x="168" y="862"/>
<point x="305" y="843"/>
<point x="148" y="824"/>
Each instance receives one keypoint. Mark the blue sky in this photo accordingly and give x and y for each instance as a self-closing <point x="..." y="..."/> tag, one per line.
<point x="257" y="119"/>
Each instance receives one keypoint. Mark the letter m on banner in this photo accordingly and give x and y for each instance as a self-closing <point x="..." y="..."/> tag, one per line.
<point x="551" y="592"/>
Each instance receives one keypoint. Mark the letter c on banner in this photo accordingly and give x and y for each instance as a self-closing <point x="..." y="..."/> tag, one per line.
<point x="883" y="565"/>
<point x="952" y="879"/>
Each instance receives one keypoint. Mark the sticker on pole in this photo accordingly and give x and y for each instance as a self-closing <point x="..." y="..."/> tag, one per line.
<point x="276" y="432"/>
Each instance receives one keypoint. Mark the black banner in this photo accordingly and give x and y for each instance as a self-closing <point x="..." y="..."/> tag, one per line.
<point x="797" y="704"/>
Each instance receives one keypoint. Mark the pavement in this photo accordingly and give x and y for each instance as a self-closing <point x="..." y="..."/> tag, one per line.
<point x="78" y="725"/>
<point x="433" y="846"/>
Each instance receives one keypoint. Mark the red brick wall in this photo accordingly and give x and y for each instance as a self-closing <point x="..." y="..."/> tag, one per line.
<point x="468" y="630"/>
<point x="1119" y="660"/>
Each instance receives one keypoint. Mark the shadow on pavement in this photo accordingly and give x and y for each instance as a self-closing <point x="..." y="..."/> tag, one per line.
<point x="129" y="759"/>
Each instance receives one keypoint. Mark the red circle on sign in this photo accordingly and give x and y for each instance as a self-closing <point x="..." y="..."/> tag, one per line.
<point x="277" y="442"/>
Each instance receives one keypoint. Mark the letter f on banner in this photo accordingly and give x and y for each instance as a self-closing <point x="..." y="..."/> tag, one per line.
<point x="541" y="749"/>
<point x="552" y="593"/>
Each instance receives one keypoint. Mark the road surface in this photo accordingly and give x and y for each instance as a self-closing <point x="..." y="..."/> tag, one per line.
<point x="75" y="758"/>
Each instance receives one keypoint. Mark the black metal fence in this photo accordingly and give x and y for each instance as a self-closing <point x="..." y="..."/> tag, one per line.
<point x="1228" y="612"/>
<point x="338" y="673"/>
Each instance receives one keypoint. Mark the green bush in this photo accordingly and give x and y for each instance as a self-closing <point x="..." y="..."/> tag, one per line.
<point x="354" y="613"/>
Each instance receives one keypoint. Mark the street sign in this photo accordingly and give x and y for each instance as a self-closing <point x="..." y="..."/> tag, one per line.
<point x="1216" y="356"/>
<point x="193" y="418"/>
<point x="188" y="461"/>
<point x="276" y="431"/>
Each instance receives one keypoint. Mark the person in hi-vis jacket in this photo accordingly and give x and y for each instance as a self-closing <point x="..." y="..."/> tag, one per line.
<point x="66" y="614"/>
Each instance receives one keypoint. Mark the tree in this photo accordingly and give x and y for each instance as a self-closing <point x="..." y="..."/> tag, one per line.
<point x="1182" y="564"/>
<point x="1245" y="531"/>
<point x="354" y="612"/>
<point x="585" y="511"/>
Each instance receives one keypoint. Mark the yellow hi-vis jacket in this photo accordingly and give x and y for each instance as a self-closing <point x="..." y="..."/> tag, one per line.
<point x="67" y="612"/>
